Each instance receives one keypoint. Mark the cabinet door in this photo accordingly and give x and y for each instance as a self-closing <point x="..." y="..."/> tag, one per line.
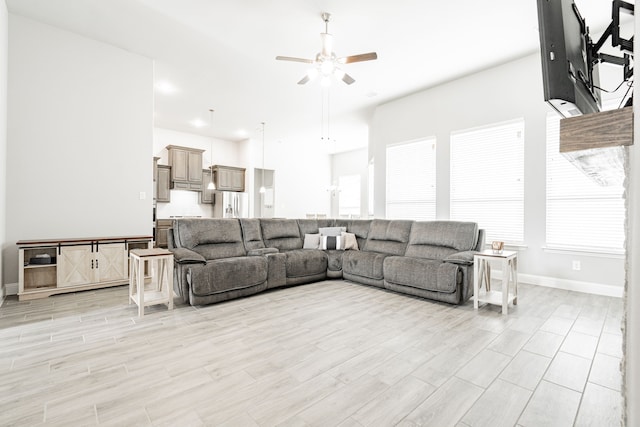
<point x="111" y="262"/>
<point x="162" y="228"/>
<point x="237" y="180"/>
<point x="195" y="167"/>
<point x="76" y="265"/>
<point x="179" y="162"/>
<point x="223" y="179"/>
<point x="163" y="183"/>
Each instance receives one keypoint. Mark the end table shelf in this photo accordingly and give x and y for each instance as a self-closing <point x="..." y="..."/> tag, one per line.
<point x="481" y="275"/>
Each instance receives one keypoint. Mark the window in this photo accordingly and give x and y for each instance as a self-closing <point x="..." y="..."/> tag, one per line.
<point x="581" y="214"/>
<point x="487" y="179"/>
<point x="349" y="196"/>
<point x="411" y="180"/>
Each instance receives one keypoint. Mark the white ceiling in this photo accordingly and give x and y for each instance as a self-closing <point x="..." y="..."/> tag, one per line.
<point x="220" y="54"/>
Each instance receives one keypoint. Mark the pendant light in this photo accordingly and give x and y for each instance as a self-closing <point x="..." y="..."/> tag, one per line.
<point x="262" y="187"/>
<point x="211" y="185"/>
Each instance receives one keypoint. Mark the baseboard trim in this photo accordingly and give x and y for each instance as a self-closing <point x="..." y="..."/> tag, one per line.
<point x="567" y="285"/>
<point x="11" y="289"/>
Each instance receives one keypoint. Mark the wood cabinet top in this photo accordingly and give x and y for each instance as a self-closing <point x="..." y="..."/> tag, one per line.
<point x="228" y="167"/>
<point x="81" y="240"/>
<point x="177" y="147"/>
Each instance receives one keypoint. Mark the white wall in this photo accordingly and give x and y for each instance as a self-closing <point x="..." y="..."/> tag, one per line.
<point x="302" y="173"/>
<point x="632" y="318"/>
<point x="4" y="52"/>
<point x="80" y="129"/>
<point x="498" y="94"/>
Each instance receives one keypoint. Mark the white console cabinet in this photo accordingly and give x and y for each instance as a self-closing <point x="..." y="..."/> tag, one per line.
<point x="49" y="267"/>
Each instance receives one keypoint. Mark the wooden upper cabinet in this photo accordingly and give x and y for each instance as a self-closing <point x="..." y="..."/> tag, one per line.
<point x="186" y="167"/>
<point x="163" y="183"/>
<point x="229" y="178"/>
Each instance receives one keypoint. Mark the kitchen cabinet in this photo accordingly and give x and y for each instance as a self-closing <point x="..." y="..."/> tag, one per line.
<point x="186" y="167"/>
<point x="163" y="183"/>
<point x="162" y="228"/>
<point x="228" y="178"/>
<point x="206" y="196"/>
<point x="54" y="266"/>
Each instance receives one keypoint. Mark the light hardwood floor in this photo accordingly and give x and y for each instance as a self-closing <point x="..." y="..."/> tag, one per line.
<point x="328" y="353"/>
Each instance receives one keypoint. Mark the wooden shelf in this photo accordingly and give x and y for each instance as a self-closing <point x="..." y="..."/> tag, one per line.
<point x="612" y="128"/>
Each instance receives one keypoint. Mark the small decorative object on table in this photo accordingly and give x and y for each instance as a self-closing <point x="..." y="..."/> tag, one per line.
<point x="497" y="247"/>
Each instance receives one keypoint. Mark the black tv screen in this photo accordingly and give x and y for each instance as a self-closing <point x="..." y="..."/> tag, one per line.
<point x="568" y="75"/>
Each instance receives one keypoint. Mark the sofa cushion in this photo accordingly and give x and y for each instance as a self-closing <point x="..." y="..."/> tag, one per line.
<point x="331" y="242"/>
<point x="459" y="235"/>
<point x="349" y="241"/>
<point x="331" y="231"/>
<point x="334" y="260"/>
<point x="311" y="241"/>
<point x="441" y="239"/>
<point x="364" y="264"/>
<point x="305" y="262"/>
<point x="388" y="236"/>
<point x="227" y="274"/>
<point x="283" y="234"/>
<point x="212" y="238"/>
<point x="359" y="227"/>
<point x="251" y="233"/>
<point x="312" y="226"/>
<point x="427" y="274"/>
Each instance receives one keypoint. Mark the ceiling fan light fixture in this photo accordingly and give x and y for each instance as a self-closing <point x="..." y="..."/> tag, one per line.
<point x="312" y="73"/>
<point x="327" y="67"/>
<point x="338" y="73"/>
<point x="326" y="81"/>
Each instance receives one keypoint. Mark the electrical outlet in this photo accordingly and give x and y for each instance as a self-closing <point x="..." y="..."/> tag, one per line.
<point x="576" y="265"/>
<point x="143" y="195"/>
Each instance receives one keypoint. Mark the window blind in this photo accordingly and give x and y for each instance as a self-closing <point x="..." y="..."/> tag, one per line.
<point x="487" y="179"/>
<point x="411" y="180"/>
<point x="581" y="214"/>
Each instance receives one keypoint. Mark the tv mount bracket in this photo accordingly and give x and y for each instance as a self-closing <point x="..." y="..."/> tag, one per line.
<point x="613" y="30"/>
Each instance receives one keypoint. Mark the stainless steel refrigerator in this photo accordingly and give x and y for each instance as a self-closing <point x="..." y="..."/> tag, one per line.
<point x="230" y="204"/>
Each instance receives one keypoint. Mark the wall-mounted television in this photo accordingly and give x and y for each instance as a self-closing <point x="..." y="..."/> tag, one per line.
<point x="569" y="76"/>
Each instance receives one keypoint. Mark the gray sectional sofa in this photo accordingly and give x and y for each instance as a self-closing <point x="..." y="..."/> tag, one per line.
<point x="222" y="259"/>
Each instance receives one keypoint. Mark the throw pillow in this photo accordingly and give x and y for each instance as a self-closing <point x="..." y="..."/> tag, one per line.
<point x="350" y="241"/>
<point x="331" y="231"/>
<point x="311" y="241"/>
<point x="332" y="242"/>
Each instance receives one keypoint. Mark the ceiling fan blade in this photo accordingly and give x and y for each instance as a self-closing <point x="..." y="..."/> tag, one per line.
<point x="358" y="58"/>
<point x="347" y="79"/>
<point x="289" y="58"/>
<point x="304" y="80"/>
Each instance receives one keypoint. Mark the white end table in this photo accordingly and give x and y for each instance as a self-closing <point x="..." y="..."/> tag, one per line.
<point x="159" y="263"/>
<point x="481" y="274"/>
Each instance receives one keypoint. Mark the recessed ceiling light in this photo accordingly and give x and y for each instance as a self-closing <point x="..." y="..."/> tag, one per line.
<point x="198" y="123"/>
<point x="165" y="87"/>
<point x="242" y="133"/>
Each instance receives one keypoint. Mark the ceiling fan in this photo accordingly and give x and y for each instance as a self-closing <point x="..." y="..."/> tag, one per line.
<point x="326" y="61"/>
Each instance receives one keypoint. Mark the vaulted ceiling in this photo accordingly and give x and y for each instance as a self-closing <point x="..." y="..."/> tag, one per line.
<point x="220" y="54"/>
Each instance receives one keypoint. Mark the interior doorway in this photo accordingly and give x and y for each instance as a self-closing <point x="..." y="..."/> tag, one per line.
<point x="264" y="206"/>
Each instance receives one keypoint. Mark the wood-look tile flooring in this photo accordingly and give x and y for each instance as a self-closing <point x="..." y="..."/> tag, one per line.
<point x="324" y="354"/>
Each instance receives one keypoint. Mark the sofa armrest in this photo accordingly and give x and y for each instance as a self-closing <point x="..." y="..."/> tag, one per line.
<point x="461" y="258"/>
<point x="262" y="251"/>
<point x="187" y="256"/>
